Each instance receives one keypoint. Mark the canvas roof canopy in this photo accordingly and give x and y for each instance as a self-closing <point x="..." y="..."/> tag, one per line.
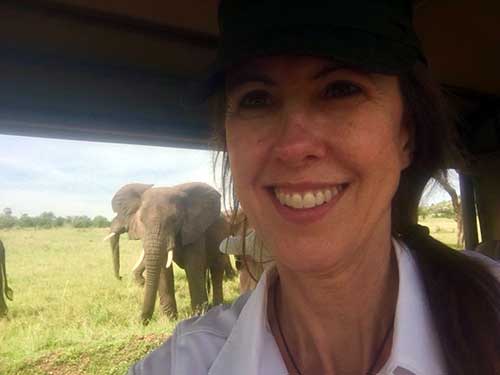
<point x="117" y="70"/>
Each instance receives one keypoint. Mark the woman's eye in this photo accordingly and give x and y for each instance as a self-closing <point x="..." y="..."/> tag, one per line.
<point x="255" y="99"/>
<point x="341" y="89"/>
<point x="253" y="104"/>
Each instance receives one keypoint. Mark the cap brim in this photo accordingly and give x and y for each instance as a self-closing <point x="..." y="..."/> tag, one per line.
<point x="356" y="48"/>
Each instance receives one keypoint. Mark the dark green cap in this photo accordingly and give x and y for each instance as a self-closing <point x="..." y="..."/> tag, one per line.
<point x="374" y="35"/>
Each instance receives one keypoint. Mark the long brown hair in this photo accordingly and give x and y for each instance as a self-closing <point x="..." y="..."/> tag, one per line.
<point x="463" y="295"/>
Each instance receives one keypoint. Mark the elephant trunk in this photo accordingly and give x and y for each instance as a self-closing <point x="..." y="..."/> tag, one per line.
<point x="155" y="257"/>
<point x="115" y="253"/>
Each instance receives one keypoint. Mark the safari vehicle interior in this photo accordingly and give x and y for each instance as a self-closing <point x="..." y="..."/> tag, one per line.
<point x="117" y="71"/>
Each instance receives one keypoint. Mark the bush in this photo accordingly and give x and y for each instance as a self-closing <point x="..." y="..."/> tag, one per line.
<point x="26" y="221"/>
<point x="81" y="222"/>
<point x="438" y="210"/>
<point x="45" y="220"/>
<point x="100" y="222"/>
<point x="7" y="221"/>
<point x="59" y="222"/>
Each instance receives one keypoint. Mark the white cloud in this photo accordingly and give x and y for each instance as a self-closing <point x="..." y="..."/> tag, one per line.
<point x="80" y="178"/>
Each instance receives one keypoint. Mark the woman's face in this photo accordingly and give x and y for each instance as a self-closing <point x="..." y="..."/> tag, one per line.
<point x="316" y="152"/>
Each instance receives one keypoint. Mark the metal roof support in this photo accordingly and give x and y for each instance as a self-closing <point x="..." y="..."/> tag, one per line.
<point x="468" y="212"/>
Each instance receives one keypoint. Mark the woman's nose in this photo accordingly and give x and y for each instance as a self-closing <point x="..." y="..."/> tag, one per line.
<point x="299" y="141"/>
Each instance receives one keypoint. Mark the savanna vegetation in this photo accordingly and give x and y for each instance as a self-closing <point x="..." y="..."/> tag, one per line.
<point x="71" y="316"/>
<point x="47" y="220"/>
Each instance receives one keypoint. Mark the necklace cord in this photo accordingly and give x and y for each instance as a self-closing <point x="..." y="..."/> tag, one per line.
<point x="372" y="367"/>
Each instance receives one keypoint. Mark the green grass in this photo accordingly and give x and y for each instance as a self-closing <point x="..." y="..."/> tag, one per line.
<point x="445" y="230"/>
<point x="69" y="314"/>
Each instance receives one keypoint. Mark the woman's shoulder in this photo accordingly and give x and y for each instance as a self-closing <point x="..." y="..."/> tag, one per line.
<point x="195" y="343"/>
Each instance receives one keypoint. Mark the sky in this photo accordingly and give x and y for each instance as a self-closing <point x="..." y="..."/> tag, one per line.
<point x="72" y="178"/>
<point x="80" y="178"/>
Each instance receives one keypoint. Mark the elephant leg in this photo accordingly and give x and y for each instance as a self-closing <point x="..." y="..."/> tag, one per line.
<point x="217" y="275"/>
<point x="195" y="265"/>
<point x="166" y="291"/>
<point x="139" y="269"/>
<point x="115" y="253"/>
<point x="218" y="265"/>
<point x="3" y="282"/>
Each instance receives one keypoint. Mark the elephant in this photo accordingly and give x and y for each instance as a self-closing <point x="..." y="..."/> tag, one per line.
<point x="256" y="258"/>
<point x="4" y="286"/>
<point x="179" y="223"/>
<point x="216" y="233"/>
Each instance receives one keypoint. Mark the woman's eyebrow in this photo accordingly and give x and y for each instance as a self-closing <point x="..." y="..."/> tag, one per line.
<point x="327" y="70"/>
<point x="246" y="77"/>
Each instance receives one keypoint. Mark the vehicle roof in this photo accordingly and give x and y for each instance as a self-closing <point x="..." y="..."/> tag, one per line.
<point x="117" y="70"/>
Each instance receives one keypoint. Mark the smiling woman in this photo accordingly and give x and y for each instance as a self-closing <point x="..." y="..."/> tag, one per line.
<point x="310" y="132"/>
<point x="330" y="122"/>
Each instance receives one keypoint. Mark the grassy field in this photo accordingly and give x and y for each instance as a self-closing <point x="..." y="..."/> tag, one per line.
<point x="69" y="314"/>
<point x="445" y="230"/>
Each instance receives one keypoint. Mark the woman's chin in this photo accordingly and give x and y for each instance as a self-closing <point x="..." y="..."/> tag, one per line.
<point x="308" y="256"/>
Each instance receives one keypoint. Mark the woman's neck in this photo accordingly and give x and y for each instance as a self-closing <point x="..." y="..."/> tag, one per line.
<point x="335" y="323"/>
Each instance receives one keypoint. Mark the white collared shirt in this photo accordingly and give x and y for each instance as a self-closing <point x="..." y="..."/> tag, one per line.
<point x="236" y="339"/>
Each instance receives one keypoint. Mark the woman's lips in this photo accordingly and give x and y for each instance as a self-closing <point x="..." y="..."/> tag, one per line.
<point x="306" y="204"/>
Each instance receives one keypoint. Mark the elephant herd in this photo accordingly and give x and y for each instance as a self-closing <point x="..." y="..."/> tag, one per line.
<point x="181" y="224"/>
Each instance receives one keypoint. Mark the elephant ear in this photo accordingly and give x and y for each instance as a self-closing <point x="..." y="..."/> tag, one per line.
<point x="201" y="203"/>
<point x="127" y="200"/>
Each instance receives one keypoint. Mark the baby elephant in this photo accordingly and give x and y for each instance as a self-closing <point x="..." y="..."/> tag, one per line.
<point x="4" y="287"/>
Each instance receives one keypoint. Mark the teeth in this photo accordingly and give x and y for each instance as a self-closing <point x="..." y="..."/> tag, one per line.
<point x="297" y="201"/>
<point x="308" y="199"/>
<point x="320" y="198"/>
<point x="281" y="196"/>
<point x="328" y="195"/>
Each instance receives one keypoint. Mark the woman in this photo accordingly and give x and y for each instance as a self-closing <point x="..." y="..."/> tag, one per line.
<point x="329" y="119"/>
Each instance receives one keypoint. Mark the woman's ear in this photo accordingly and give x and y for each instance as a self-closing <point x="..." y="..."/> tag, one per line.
<point x="406" y="142"/>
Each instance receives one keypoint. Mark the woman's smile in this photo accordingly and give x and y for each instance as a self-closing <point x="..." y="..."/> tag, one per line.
<point x="306" y="202"/>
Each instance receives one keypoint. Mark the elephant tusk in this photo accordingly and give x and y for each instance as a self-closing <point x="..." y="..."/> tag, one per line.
<point x="139" y="261"/>
<point x="109" y="236"/>
<point x="170" y="256"/>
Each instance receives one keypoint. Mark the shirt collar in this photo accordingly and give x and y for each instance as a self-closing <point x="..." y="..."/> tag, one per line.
<point x="251" y="349"/>
<point x="415" y="347"/>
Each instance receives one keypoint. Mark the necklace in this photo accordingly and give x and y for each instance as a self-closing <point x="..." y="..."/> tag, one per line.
<point x="289" y="357"/>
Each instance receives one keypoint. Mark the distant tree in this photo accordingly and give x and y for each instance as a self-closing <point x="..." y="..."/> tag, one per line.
<point x="7" y="221"/>
<point x="26" y="221"/>
<point x="7" y="211"/>
<point x="442" y="210"/>
<point x="457" y="207"/>
<point x="423" y="211"/>
<point x="100" y="222"/>
<point x="59" y="221"/>
<point x="81" y="222"/>
<point x="45" y="220"/>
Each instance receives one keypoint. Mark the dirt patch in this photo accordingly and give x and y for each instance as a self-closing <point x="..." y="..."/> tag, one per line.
<point x="82" y="362"/>
<point x="56" y="364"/>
